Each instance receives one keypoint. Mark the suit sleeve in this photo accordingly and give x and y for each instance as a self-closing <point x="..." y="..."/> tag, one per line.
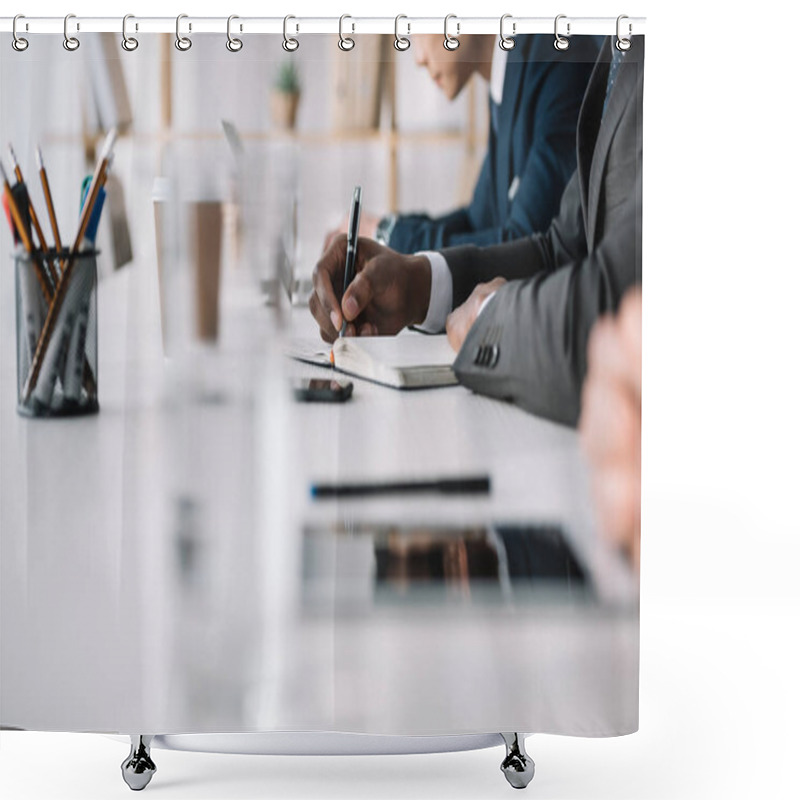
<point x="415" y="232"/>
<point x="549" y="160"/>
<point x="564" y="241"/>
<point x="549" y="163"/>
<point x="540" y="325"/>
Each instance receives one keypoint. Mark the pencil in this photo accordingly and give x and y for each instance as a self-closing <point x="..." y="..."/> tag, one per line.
<point x="61" y="289"/>
<point x="34" y="219"/>
<point x="22" y="230"/>
<point x="48" y="199"/>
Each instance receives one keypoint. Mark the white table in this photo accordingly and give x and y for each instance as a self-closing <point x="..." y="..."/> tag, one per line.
<point x="152" y="555"/>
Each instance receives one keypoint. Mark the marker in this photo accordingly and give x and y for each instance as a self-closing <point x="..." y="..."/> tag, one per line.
<point x="476" y="484"/>
<point x="352" y="245"/>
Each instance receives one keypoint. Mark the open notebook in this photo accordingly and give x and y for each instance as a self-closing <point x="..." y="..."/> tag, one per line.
<point x="406" y="361"/>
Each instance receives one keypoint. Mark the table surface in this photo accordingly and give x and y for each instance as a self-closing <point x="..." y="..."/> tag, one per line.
<point x="157" y="558"/>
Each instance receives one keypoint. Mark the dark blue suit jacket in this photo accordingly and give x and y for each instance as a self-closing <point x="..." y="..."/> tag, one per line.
<point x="534" y="143"/>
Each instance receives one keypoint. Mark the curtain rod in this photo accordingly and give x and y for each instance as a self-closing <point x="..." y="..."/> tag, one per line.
<point x="406" y="26"/>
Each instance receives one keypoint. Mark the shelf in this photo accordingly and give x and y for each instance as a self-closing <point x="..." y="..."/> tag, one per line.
<point x="316" y="138"/>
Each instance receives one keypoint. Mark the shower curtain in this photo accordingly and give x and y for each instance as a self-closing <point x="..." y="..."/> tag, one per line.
<point x="166" y="566"/>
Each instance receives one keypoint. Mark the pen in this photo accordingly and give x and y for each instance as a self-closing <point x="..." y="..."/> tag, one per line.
<point x="475" y="484"/>
<point x="352" y="244"/>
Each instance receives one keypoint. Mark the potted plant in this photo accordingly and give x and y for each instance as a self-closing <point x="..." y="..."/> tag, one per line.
<point x="285" y="96"/>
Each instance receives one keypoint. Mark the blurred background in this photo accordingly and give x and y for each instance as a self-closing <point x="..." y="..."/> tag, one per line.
<point x="313" y="123"/>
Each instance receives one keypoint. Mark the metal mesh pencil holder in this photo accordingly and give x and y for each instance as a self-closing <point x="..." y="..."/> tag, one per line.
<point x="57" y="374"/>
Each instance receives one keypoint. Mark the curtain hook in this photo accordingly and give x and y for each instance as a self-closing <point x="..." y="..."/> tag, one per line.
<point x="70" y="43"/>
<point x="561" y="42"/>
<point x="18" y="43"/>
<point x="623" y="44"/>
<point x="289" y="44"/>
<point x="129" y="43"/>
<point x="345" y="42"/>
<point x="507" y="42"/>
<point x="183" y="43"/>
<point x="401" y="43"/>
<point x="233" y="44"/>
<point x="451" y="42"/>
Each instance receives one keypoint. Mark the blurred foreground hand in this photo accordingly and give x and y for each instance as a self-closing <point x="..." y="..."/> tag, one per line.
<point x="611" y="422"/>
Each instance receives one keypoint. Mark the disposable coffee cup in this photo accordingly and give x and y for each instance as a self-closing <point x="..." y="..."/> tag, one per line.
<point x="204" y="220"/>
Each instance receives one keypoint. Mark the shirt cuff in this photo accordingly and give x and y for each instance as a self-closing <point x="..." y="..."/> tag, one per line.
<point x="441" y="302"/>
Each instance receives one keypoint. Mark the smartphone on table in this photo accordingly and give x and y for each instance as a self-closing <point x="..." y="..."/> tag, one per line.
<point x="322" y="390"/>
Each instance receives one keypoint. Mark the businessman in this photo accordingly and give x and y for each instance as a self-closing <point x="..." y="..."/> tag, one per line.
<point x="524" y="339"/>
<point x="535" y="94"/>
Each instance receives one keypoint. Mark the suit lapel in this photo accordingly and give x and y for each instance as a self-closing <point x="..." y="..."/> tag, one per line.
<point x="589" y="124"/>
<point x="624" y="87"/>
<point x="512" y="95"/>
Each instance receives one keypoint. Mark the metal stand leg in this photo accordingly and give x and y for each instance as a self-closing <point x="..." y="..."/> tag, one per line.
<point x="517" y="766"/>
<point x="138" y="768"/>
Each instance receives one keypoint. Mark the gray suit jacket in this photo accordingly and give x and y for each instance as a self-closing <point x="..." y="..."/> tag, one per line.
<point x="529" y="344"/>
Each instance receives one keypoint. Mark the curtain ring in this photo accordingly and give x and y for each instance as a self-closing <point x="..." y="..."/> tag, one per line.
<point x="18" y="43"/>
<point x="451" y="42"/>
<point x="507" y="42"/>
<point x="183" y="43"/>
<point x="233" y="44"/>
<point x="401" y="43"/>
<point x="623" y="44"/>
<point x="289" y="44"/>
<point x="345" y="42"/>
<point x="129" y="43"/>
<point x="561" y="42"/>
<point x="70" y="43"/>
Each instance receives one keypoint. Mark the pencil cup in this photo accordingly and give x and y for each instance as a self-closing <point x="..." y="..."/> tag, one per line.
<point x="66" y="383"/>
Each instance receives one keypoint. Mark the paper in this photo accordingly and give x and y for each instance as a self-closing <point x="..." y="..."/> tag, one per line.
<point x="408" y="360"/>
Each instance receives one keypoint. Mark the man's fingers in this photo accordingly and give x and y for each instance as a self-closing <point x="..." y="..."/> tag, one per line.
<point x="609" y="425"/>
<point x="327" y="330"/>
<point x="359" y="295"/>
<point x="493" y="285"/>
<point x="327" y="336"/>
<point x="630" y="328"/>
<point x="607" y="355"/>
<point x="453" y="329"/>
<point x="617" y="492"/>
<point x="327" y="270"/>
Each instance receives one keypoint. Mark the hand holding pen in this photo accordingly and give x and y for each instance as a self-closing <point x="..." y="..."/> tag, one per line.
<point x="388" y="290"/>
